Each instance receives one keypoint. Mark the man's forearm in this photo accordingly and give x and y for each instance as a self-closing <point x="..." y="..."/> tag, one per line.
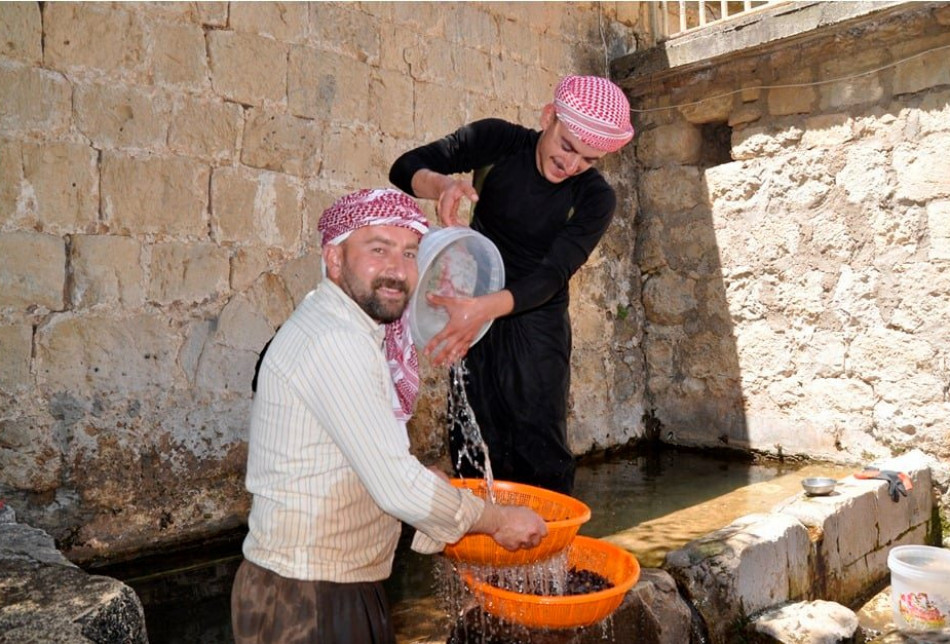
<point x="428" y="184"/>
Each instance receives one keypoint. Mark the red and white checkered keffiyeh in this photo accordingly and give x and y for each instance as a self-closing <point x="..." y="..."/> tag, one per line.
<point x="595" y="110"/>
<point x="383" y="207"/>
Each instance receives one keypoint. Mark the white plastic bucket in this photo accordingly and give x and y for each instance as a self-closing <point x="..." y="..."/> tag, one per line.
<point x="458" y="262"/>
<point x="920" y="587"/>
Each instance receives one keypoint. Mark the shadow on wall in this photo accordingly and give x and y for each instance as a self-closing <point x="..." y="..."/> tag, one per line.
<point x="694" y="394"/>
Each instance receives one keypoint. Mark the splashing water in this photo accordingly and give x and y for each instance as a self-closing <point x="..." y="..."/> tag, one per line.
<point x="462" y="420"/>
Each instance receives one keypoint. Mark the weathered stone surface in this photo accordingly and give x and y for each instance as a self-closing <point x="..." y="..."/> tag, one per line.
<point x="145" y="194"/>
<point x="247" y="69"/>
<point x="35" y="100"/>
<point x="356" y="159"/>
<point x="106" y="269"/>
<point x="206" y="130"/>
<point x="21" y="36"/>
<point x="679" y="143"/>
<point x="93" y="38"/>
<point x="815" y="622"/>
<point x="327" y="86"/>
<point x="45" y="598"/>
<point x="79" y="355"/>
<point x="670" y="189"/>
<point x="179" y="57"/>
<point x="282" y="143"/>
<point x="920" y="174"/>
<point x="118" y="116"/>
<point x="182" y="272"/>
<point x="755" y="563"/>
<point x="656" y="610"/>
<point x="33" y="271"/>
<point x="364" y="24"/>
<point x="52" y="187"/>
<point x="16" y="347"/>
<point x="390" y="93"/>
<point x="282" y="21"/>
<point x="256" y="208"/>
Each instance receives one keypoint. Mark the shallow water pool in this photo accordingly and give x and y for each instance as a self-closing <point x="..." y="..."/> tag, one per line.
<point x="186" y="595"/>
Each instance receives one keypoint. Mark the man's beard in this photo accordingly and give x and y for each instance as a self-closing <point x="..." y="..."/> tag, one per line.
<point x="383" y="311"/>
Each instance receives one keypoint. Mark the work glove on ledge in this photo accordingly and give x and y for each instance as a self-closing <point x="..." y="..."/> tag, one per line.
<point x="898" y="483"/>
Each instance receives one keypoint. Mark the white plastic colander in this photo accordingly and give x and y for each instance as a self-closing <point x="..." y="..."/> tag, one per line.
<point x="457" y="262"/>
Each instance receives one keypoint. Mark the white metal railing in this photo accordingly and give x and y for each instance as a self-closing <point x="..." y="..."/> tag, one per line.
<point x="675" y="17"/>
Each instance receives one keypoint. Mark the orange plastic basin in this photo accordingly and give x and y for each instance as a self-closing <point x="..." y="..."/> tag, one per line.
<point x="562" y="514"/>
<point x="565" y="611"/>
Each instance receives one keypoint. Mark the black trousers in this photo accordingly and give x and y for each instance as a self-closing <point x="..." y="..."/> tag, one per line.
<point x="517" y="385"/>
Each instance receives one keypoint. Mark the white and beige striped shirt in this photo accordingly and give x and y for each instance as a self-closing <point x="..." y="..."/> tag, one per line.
<point x="329" y="465"/>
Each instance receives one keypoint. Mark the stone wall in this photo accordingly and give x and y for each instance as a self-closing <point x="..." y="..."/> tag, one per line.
<point x="162" y="170"/>
<point x="793" y="237"/>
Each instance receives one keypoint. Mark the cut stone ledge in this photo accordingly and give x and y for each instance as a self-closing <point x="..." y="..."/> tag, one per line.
<point x="46" y="598"/>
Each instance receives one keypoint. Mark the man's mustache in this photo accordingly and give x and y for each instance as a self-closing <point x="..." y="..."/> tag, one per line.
<point x="389" y="282"/>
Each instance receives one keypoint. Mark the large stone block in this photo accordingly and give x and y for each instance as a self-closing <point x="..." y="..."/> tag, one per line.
<point x="179" y="56"/>
<point x="436" y="111"/>
<point x="756" y="562"/>
<point x="187" y="272"/>
<point x="33" y="271"/>
<point x="48" y="599"/>
<point x="21" y="31"/>
<point x="671" y="189"/>
<point x="515" y="82"/>
<point x="848" y="93"/>
<point x="432" y="62"/>
<point x="327" y="86"/>
<point x="714" y="109"/>
<point x="391" y="101"/>
<point x="118" y="116"/>
<point x="357" y="161"/>
<point x="207" y="130"/>
<point x="282" y="21"/>
<point x="283" y="143"/>
<point x="146" y="194"/>
<point x="246" y="68"/>
<point x="358" y="22"/>
<point x="242" y="325"/>
<point x="838" y="545"/>
<point x="35" y="101"/>
<point x="921" y="172"/>
<point x="16" y="347"/>
<point x="675" y="143"/>
<point x="92" y="36"/>
<point x="668" y="298"/>
<point x="815" y="621"/>
<point x="102" y="354"/>
<point x="51" y="186"/>
<point x="106" y="269"/>
<point x="256" y="208"/>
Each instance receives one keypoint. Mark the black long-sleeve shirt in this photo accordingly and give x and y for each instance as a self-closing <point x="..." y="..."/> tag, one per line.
<point x="544" y="231"/>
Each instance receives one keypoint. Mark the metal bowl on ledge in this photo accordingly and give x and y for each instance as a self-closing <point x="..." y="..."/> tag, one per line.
<point x="819" y="485"/>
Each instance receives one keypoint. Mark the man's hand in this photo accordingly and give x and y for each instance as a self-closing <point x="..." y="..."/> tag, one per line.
<point x="447" y="192"/>
<point x="450" y="197"/>
<point x="511" y="526"/>
<point x="467" y="316"/>
<point x="465" y="321"/>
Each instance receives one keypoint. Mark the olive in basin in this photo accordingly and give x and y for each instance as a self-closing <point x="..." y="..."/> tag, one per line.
<point x="819" y="485"/>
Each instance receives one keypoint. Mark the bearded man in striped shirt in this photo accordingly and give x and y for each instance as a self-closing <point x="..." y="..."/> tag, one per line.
<point x="329" y="465"/>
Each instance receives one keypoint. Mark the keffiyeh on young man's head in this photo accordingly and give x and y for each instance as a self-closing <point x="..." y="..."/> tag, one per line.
<point x="595" y="111"/>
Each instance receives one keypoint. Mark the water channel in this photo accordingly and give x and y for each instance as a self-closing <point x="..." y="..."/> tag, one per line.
<point x="186" y="594"/>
